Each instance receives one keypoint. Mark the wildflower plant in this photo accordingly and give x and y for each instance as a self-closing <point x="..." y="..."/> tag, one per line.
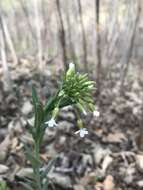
<point x="76" y="90"/>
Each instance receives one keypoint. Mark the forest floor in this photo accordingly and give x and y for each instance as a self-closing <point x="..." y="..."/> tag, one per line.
<point x="110" y="157"/>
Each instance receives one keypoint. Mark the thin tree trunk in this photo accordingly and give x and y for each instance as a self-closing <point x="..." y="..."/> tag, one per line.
<point x="98" y="44"/>
<point x="112" y="36"/>
<point x="71" y="45"/>
<point x="6" y="73"/>
<point x="62" y="35"/>
<point x="23" y="7"/>
<point x="126" y="59"/>
<point x="9" y="40"/>
<point x="83" y="36"/>
<point x="38" y="34"/>
<point x="46" y="29"/>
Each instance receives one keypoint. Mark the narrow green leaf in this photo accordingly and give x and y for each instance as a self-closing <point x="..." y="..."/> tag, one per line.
<point x="41" y="134"/>
<point x="45" y="186"/>
<point x="50" y="104"/>
<point x="35" y="98"/>
<point x="34" y="162"/>
<point x="39" y="115"/>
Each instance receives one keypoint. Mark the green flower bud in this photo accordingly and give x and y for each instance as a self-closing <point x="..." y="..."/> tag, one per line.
<point x="81" y="108"/>
<point x="89" y="83"/>
<point x="92" y="107"/>
<point x="79" y="123"/>
<point x="61" y="93"/>
<point x="55" y="112"/>
<point x="71" y="70"/>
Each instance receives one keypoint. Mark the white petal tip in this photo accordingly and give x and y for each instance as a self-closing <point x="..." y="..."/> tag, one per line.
<point x="82" y="132"/>
<point x="71" y="65"/>
<point x="77" y="132"/>
<point x="84" y="112"/>
<point x="96" y="113"/>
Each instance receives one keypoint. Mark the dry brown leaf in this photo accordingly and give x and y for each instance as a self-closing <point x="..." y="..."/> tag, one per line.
<point x="14" y="143"/>
<point x="78" y="187"/>
<point x="3" y="169"/>
<point x="106" y="162"/>
<point x="116" y="137"/>
<point x="109" y="183"/>
<point x="27" y="107"/>
<point x="99" y="186"/>
<point x="139" y="162"/>
<point x="88" y="179"/>
<point x="100" y="153"/>
<point x="4" y="147"/>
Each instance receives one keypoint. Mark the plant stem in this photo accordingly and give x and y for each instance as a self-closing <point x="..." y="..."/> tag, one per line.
<point x="37" y="169"/>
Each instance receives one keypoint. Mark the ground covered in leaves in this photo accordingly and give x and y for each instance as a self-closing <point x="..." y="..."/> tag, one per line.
<point x="109" y="158"/>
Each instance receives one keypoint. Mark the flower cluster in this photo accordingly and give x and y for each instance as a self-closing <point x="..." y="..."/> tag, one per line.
<point x="77" y="89"/>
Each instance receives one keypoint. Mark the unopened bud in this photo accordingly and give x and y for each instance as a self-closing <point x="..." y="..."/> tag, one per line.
<point x="71" y="69"/>
<point x="80" y="123"/>
<point x="55" y="112"/>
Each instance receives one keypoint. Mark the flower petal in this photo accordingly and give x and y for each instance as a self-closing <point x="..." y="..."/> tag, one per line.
<point x="51" y="122"/>
<point x="96" y="113"/>
<point x="82" y="135"/>
<point x="71" y="65"/>
<point x="77" y="132"/>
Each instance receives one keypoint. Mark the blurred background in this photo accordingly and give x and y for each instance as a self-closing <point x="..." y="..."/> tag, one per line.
<point x="38" y="39"/>
<point x="104" y="38"/>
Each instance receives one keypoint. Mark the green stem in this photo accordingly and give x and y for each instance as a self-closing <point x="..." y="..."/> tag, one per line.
<point x="37" y="169"/>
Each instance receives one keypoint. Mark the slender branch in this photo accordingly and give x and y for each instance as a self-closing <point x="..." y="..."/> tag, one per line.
<point x="7" y="78"/>
<point x="8" y="39"/>
<point x="98" y="44"/>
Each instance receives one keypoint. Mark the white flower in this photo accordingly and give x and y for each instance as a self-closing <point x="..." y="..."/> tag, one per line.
<point x="51" y="122"/>
<point x="96" y="113"/>
<point x="71" y="69"/>
<point x="82" y="132"/>
<point x="71" y="65"/>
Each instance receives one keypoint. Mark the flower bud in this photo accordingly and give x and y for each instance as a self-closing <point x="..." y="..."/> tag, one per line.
<point x="71" y="69"/>
<point x="55" y="112"/>
<point x="92" y="107"/>
<point x="79" y="123"/>
<point x="80" y="107"/>
<point x="61" y="93"/>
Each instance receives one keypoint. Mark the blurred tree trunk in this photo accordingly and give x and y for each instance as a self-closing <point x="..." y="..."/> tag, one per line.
<point x="25" y="11"/>
<point x="98" y="44"/>
<point x="71" y="44"/>
<point x="47" y="29"/>
<point x="8" y="39"/>
<point x="17" y="35"/>
<point x="112" y="36"/>
<point x="38" y="34"/>
<point x="6" y="73"/>
<point x="125" y="62"/>
<point x="62" y="35"/>
<point x="83" y="36"/>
